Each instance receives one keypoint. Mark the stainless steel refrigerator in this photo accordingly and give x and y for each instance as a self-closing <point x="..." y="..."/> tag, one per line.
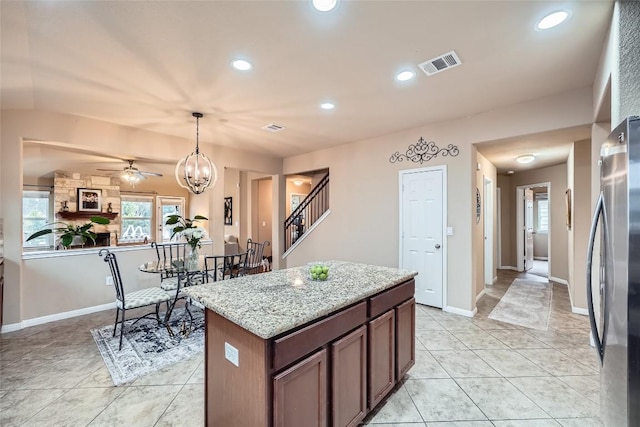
<point x="616" y="332"/>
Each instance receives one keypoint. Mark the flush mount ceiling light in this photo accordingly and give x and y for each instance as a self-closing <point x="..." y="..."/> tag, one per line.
<point x="553" y="19"/>
<point x="298" y="182"/>
<point x="525" y="158"/>
<point x="403" y="76"/>
<point x="199" y="172"/>
<point x="327" y="106"/>
<point x="242" y="65"/>
<point x="324" y="5"/>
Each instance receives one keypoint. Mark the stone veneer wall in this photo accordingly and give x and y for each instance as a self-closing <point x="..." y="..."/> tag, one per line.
<point x="65" y="187"/>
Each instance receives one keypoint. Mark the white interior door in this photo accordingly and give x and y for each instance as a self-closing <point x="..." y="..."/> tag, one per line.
<point x="528" y="229"/>
<point x="422" y="245"/>
<point x="488" y="232"/>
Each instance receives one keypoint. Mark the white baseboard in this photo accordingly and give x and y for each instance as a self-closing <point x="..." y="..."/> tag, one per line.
<point x="541" y="258"/>
<point x="58" y="316"/>
<point x="482" y="292"/>
<point x="461" y="312"/>
<point x="495" y="279"/>
<point x="558" y="280"/>
<point x="507" y="267"/>
<point x="578" y="310"/>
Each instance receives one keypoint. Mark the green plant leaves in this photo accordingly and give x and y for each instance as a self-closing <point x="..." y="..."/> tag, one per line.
<point x="40" y="234"/>
<point x="100" y="220"/>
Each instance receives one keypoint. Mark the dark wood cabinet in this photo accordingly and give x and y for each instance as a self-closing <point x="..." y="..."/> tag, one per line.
<point x="300" y="393"/>
<point x="329" y="372"/>
<point x="405" y="337"/>
<point x="382" y="350"/>
<point x="1" y="288"/>
<point x="349" y="379"/>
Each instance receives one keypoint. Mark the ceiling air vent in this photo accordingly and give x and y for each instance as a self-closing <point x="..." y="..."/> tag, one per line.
<point x="441" y="63"/>
<point x="273" y="127"/>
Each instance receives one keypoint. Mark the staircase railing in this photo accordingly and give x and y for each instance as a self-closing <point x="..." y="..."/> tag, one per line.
<point x="307" y="213"/>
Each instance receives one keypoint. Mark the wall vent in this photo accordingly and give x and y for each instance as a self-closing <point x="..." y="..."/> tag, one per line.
<point x="273" y="127"/>
<point x="441" y="63"/>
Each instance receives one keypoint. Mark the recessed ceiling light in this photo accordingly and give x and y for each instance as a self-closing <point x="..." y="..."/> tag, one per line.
<point x="324" y="5"/>
<point x="327" y="106"/>
<point x="403" y="76"/>
<point x="510" y="172"/>
<point x="242" y="65"/>
<point x="525" y="158"/>
<point x="552" y="19"/>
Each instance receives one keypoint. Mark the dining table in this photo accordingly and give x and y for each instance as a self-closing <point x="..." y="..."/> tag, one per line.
<point x="186" y="276"/>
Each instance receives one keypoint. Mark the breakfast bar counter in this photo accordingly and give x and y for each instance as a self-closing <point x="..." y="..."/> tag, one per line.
<point x="284" y="350"/>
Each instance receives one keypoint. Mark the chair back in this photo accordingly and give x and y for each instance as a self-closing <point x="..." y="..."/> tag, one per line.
<point x="110" y="258"/>
<point x="221" y="267"/>
<point x="254" y="260"/>
<point x="167" y="254"/>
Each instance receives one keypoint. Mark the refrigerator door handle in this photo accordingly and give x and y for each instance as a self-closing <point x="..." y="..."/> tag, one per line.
<point x="592" y="237"/>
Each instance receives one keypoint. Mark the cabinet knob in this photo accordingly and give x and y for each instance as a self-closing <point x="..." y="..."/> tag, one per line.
<point x="437" y="246"/>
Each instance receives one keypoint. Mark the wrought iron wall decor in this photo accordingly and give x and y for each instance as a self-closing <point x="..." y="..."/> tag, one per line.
<point x="423" y="151"/>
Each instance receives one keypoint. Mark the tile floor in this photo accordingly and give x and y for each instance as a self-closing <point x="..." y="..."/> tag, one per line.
<point x="468" y="373"/>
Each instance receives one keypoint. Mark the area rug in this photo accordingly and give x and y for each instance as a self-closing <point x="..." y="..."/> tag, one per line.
<point x="147" y="346"/>
<point x="526" y="303"/>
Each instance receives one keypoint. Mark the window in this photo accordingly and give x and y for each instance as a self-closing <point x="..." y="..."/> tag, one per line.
<point x="542" y="215"/>
<point x="35" y="215"/>
<point x="168" y="206"/>
<point x="136" y="218"/>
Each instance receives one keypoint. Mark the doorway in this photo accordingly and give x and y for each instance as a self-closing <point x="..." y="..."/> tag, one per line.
<point x="533" y="228"/>
<point x="488" y="232"/>
<point x="423" y="201"/>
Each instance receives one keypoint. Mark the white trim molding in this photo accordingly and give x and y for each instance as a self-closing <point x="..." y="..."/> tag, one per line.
<point x="58" y="316"/>
<point x="507" y="267"/>
<point x="480" y="295"/>
<point x="461" y="312"/>
<point x="577" y="310"/>
<point x="558" y="280"/>
<point x="307" y="233"/>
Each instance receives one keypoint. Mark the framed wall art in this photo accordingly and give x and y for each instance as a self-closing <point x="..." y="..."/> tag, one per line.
<point x="228" y="211"/>
<point x="89" y="200"/>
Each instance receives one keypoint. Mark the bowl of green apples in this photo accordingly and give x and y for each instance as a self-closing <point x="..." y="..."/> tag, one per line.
<point x="318" y="271"/>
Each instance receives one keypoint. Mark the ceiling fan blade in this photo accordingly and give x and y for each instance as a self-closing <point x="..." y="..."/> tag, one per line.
<point x="150" y="173"/>
<point x="110" y="170"/>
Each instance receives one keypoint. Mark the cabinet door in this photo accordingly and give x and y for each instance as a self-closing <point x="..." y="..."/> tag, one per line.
<point x="381" y="357"/>
<point x="405" y="337"/>
<point x="349" y="379"/>
<point x="300" y="393"/>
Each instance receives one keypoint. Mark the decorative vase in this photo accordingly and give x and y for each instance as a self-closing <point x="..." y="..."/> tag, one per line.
<point x="109" y="208"/>
<point x="65" y="207"/>
<point x="191" y="258"/>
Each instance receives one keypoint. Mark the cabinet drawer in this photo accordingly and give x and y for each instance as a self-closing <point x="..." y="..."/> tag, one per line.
<point x="390" y="298"/>
<point x="300" y="343"/>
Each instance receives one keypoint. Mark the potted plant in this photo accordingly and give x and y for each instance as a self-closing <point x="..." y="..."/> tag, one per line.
<point x="67" y="232"/>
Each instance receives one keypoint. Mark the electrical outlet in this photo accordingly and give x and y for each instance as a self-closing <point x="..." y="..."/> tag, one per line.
<point x="231" y="354"/>
<point x="109" y="281"/>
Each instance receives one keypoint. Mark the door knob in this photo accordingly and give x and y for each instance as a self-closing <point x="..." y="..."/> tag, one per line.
<point x="437" y="246"/>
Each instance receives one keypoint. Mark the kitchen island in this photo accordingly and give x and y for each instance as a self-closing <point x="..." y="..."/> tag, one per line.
<point x="283" y="350"/>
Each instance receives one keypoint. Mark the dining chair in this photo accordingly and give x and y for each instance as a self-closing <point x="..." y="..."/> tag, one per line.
<point x="221" y="267"/>
<point x="255" y="263"/>
<point x="168" y="255"/>
<point x="142" y="298"/>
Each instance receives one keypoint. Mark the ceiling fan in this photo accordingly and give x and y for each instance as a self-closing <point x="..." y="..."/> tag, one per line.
<point x="131" y="174"/>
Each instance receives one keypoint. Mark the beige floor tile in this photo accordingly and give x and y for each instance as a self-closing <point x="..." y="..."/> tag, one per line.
<point x="555" y="397"/>
<point x="463" y="364"/>
<point x="442" y="400"/>
<point x="510" y="363"/>
<point x="17" y="406"/>
<point x="186" y="409"/>
<point x="556" y="363"/>
<point x="426" y="367"/>
<point x="66" y="373"/>
<point x="398" y="408"/>
<point x="137" y="406"/>
<point x="518" y="339"/>
<point x="461" y="424"/>
<point x="439" y="340"/>
<point x="581" y="422"/>
<point x="197" y="377"/>
<point x="77" y="407"/>
<point x="175" y="374"/>
<point x="588" y="386"/>
<point x="526" y="423"/>
<point x="498" y="399"/>
<point x="478" y="340"/>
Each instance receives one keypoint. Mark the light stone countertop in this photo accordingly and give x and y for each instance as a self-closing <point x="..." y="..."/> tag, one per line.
<point x="269" y="304"/>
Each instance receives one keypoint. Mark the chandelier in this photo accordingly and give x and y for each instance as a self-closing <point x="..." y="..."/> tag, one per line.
<point x="199" y="172"/>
